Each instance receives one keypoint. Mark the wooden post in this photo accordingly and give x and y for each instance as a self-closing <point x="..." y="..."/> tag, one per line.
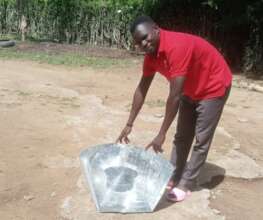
<point x="23" y="25"/>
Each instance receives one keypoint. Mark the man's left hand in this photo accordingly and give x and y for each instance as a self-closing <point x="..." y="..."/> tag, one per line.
<point x="157" y="143"/>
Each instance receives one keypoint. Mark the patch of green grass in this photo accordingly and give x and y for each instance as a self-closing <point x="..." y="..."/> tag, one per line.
<point x="22" y="93"/>
<point x="151" y="103"/>
<point x="68" y="59"/>
<point x="8" y="36"/>
<point x="75" y="106"/>
<point x="155" y="103"/>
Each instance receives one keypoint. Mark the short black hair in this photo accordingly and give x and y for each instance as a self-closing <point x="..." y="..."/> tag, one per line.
<point x="140" y="20"/>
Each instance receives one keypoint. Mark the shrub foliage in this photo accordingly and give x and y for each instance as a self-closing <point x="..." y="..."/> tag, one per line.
<point x="235" y="26"/>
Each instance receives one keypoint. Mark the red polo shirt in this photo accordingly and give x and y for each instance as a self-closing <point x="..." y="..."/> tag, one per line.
<point x="179" y="54"/>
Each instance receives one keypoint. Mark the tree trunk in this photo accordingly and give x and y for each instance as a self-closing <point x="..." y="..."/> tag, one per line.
<point x="23" y="25"/>
<point x="21" y="5"/>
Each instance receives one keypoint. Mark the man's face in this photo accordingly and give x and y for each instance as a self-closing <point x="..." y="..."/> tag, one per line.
<point x="146" y="37"/>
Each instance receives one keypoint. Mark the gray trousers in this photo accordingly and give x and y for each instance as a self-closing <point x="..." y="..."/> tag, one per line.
<point x="197" y="119"/>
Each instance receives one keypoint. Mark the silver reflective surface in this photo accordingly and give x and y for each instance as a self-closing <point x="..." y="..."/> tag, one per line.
<point x="125" y="178"/>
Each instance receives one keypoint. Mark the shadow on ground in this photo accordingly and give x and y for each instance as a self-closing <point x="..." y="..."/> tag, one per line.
<point x="210" y="176"/>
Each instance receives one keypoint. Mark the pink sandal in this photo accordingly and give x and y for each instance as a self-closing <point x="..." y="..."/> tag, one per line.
<point x="177" y="195"/>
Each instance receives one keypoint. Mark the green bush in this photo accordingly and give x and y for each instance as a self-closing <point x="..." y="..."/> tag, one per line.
<point x="236" y="26"/>
<point x="98" y="22"/>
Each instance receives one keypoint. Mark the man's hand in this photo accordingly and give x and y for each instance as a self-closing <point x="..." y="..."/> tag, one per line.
<point x="138" y="100"/>
<point x="157" y="143"/>
<point x="124" y="134"/>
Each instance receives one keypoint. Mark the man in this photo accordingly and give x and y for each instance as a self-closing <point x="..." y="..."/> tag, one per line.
<point x="199" y="81"/>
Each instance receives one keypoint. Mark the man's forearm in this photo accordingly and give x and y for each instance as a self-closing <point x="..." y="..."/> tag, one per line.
<point x="172" y="105"/>
<point x="138" y="100"/>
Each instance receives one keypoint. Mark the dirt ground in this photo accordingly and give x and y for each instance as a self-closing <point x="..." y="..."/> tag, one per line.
<point x="48" y="114"/>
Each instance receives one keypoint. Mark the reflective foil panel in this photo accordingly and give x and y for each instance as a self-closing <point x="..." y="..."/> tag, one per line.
<point x="125" y="179"/>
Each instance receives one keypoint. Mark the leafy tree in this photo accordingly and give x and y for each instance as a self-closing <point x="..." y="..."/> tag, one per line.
<point x="235" y="26"/>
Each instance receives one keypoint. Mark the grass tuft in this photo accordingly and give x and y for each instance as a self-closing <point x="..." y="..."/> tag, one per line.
<point x="68" y="58"/>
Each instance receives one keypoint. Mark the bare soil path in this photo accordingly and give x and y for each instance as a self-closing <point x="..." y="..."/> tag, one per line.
<point x="48" y="114"/>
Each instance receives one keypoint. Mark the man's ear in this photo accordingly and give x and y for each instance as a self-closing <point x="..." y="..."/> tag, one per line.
<point x="156" y="28"/>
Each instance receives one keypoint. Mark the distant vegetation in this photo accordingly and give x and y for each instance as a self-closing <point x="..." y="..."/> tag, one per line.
<point x="65" y="58"/>
<point x="235" y="26"/>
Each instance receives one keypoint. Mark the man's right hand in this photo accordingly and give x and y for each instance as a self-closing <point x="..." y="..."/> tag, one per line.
<point x="124" y="134"/>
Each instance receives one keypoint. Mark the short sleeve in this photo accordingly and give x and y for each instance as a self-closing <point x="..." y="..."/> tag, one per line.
<point x="179" y="59"/>
<point x="148" y="68"/>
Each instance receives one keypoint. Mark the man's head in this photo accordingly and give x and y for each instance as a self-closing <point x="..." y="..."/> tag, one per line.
<point x="145" y="33"/>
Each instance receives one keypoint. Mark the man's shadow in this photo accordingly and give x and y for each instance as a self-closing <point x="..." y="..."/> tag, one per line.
<point x="210" y="176"/>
